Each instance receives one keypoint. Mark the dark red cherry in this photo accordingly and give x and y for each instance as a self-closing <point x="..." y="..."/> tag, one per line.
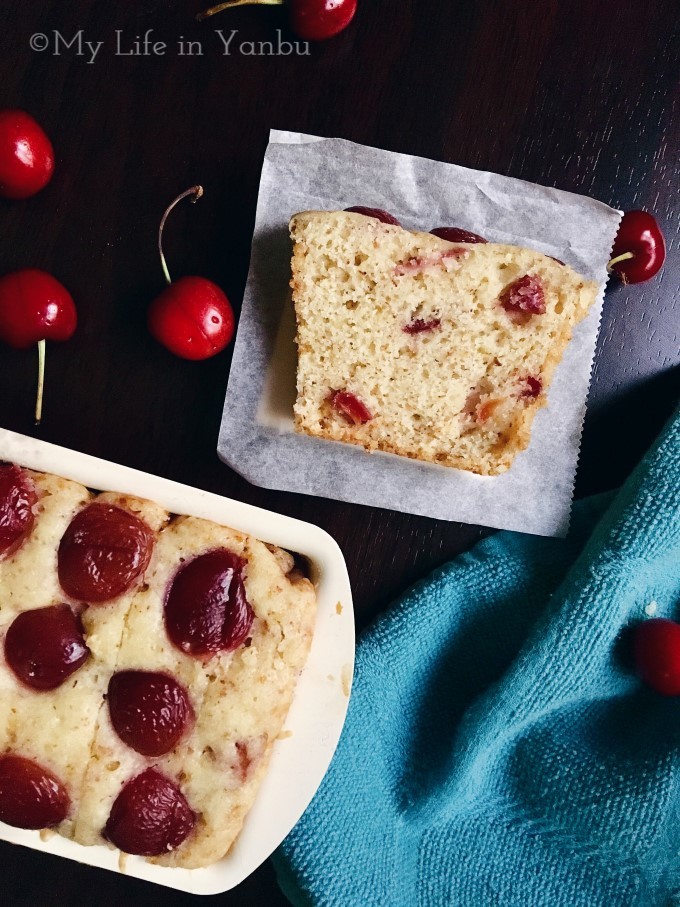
<point x="457" y="234"/>
<point x="639" y="248"/>
<point x="149" y="712"/>
<point x="524" y="296"/>
<point x="102" y="553"/>
<point x="656" y="648"/>
<point x="17" y="500"/>
<point x="30" y="796"/>
<point x="383" y="216"/>
<point x="206" y="609"/>
<point x="45" y="646"/>
<point x="350" y="407"/>
<point x="150" y="816"/>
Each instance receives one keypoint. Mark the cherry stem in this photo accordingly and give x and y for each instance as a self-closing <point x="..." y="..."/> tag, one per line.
<point x="232" y="3"/>
<point x="197" y="192"/>
<point x="41" y="382"/>
<point x="625" y="256"/>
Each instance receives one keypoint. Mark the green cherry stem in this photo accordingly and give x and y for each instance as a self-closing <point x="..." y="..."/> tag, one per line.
<point x="41" y="382"/>
<point x="625" y="256"/>
<point x="232" y="3"/>
<point x="197" y="192"/>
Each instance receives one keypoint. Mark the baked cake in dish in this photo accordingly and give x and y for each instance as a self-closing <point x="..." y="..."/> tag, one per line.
<point x="414" y="345"/>
<point x="147" y="666"/>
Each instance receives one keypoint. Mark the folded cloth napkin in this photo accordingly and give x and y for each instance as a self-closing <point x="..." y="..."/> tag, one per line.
<point x="498" y="749"/>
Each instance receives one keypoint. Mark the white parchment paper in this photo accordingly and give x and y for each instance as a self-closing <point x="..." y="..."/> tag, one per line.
<point x="257" y="439"/>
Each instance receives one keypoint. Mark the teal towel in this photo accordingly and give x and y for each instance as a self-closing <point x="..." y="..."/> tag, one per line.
<point x="498" y="749"/>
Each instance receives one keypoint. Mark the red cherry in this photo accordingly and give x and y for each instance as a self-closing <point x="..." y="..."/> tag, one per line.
<point x="103" y="551"/>
<point x="149" y="712"/>
<point x="30" y="796"/>
<point x="350" y="407"/>
<point x="150" y="816"/>
<point x="206" y="609"/>
<point x="383" y="216"/>
<point x="192" y="317"/>
<point x="656" y="651"/>
<point x="17" y="500"/>
<point x="639" y="248"/>
<point x="317" y="20"/>
<point x="26" y="155"/>
<point x="45" y="646"/>
<point x="457" y="234"/>
<point x="524" y="297"/>
<point x="312" y="20"/>
<point x="420" y="326"/>
<point x="35" y="307"/>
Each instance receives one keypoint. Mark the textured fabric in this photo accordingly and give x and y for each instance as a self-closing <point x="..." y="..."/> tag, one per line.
<point x="498" y="749"/>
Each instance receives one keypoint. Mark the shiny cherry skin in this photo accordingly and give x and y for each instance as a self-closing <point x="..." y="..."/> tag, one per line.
<point x="44" y="647"/>
<point x="192" y="318"/>
<point x="317" y="20"/>
<point x="206" y="610"/>
<point x="150" y="816"/>
<point x="150" y="712"/>
<point x="26" y="155"/>
<point x="17" y="500"/>
<point x="30" y="796"/>
<point x="656" y="652"/>
<point x="34" y="306"/>
<point x="378" y="213"/>
<point x="457" y="234"/>
<point x="640" y="235"/>
<point x="103" y="551"/>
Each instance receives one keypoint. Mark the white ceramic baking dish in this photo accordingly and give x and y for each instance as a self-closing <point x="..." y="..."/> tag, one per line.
<point x="303" y="753"/>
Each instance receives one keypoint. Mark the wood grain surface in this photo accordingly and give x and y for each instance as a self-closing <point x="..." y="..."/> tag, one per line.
<point x="577" y="94"/>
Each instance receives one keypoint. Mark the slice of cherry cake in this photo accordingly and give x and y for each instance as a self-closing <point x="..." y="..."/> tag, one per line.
<point x="147" y="665"/>
<point x="425" y="348"/>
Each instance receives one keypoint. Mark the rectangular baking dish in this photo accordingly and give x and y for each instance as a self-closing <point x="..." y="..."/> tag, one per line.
<point x="304" y="750"/>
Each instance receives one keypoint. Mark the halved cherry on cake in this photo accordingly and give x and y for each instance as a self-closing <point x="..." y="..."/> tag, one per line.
<point x="457" y="234"/>
<point x="44" y="647"/>
<point x="17" y="500"/>
<point x="30" y="795"/>
<point x="377" y="213"/>
<point x="206" y="610"/>
<point x="150" y="816"/>
<point x="103" y="551"/>
<point x="150" y="712"/>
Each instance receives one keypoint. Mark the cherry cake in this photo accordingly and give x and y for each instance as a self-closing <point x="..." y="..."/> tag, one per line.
<point x="408" y="343"/>
<point x="147" y="665"/>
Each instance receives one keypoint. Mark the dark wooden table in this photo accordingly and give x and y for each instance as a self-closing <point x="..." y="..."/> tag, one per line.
<point x="576" y="94"/>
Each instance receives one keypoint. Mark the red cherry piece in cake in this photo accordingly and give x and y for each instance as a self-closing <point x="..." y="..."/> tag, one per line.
<point x="150" y="816"/>
<point x="45" y="646"/>
<point x="103" y="551"/>
<point x="524" y="296"/>
<point x="656" y="651"/>
<point x="383" y="216"/>
<point x="639" y="248"/>
<point x="150" y="712"/>
<point x="30" y="796"/>
<point x="350" y="407"/>
<point x="420" y="326"/>
<point x="17" y="500"/>
<point x="206" y="609"/>
<point x="457" y="234"/>
<point x="532" y="386"/>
